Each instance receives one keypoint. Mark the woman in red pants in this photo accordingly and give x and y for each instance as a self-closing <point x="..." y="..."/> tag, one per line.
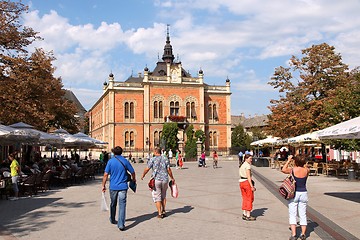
<point x="247" y="188"/>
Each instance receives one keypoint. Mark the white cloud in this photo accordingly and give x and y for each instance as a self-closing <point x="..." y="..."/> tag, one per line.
<point x="219" y="36"/>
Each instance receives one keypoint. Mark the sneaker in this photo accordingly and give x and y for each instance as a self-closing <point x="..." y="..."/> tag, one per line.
<point x="122" y="228"/>
<point x="292" y="238"/>
<point x="14" y="199"/>
<point x="302" y="237"/>
<point x="251" y="218"/>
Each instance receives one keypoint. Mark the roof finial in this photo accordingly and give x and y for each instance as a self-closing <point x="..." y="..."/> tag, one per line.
<point x="168" y="56"/>
<point x="167" y="31"/>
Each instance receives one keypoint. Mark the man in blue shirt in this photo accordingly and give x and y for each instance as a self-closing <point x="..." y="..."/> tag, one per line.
<point x="240" y="158"/>
<point x="117" y="167"/>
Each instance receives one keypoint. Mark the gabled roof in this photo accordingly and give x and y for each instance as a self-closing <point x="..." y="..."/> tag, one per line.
<point x="69" y="95"/>
<point x="133" y="79"/>
<point x="256" y="121"/>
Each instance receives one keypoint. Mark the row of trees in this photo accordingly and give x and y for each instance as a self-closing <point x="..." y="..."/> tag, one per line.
<point x="316" y="91"/>
<point x="170" y="139"/>
<point x="29" y="92"/>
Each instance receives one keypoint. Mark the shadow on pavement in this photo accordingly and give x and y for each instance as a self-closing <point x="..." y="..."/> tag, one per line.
<point x="351" y="196"/>
<point x="26" y="214"/>
<point x="142" y="218"/>
<point x="259" y="212"/>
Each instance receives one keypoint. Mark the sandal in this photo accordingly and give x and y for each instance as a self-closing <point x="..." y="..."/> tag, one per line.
<point x="243" y="217"/>
<point x="251" y="218"/>
<point x="163" y="214"/>
<point x="160" y="216"/>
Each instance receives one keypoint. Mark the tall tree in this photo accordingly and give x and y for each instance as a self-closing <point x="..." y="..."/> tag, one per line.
<point x="240" y="140"/>
<point x="190" y="144"/>
<point x="306" y="87"/>
<point x="28" y="90"/>
<point x="14" y="38"/>
<point x="169" y="135"/>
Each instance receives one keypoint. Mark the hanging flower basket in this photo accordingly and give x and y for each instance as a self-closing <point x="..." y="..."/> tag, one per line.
<point x="176" y="118"/>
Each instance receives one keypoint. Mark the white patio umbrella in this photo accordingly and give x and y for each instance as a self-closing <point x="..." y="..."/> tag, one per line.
<point x="73" y="141"/>
<point x="270" y="140"/>
<point x="44" y="138"/>
<point x="311" y="137"/>
<point x="87" y="137"/>
<point x="9" y="135"/>
<point x="346" y="130"/>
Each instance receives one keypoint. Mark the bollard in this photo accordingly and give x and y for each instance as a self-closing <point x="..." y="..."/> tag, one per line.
<point x="351" y="174"/>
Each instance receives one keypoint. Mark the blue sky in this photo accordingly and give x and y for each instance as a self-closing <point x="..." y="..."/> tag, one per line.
<point x="243" y="40"/>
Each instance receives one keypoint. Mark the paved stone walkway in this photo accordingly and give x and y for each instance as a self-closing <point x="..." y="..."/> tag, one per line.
<point x="208" y="207"/>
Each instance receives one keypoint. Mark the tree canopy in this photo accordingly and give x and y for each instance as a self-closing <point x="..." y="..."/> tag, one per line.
<point x="240" y="140"/>
<point x="316" y="91"/>
<point x="169" y="136"/>
<point x="29" y="92"/>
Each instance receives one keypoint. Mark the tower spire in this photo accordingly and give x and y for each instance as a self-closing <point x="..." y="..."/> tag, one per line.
<point x="168" y="55"/>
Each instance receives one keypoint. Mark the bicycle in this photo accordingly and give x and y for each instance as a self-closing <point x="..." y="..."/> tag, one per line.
<point x="215" y="163"/>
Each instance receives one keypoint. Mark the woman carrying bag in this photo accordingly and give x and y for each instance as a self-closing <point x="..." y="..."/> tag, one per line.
<point x="297" y="205"/>
<point x="161" y="172"/>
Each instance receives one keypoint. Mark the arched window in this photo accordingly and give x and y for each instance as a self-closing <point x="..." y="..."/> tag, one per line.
<point x="190" y="110"/>
<point x="210" y="112"/>
<point x="132" y="139"/>
<point x="129" y="110"/>
<point x="215" y="115"/>
<point x="156" y="139"/>
<point x="126" y="113"/>
<point x="188" y="113"/>
<point x="193" y="112"/>
<point x="127" y="139"/>
<point x="160" y="109"/>
<point x="215" y="139"/>
<point x="156" y="109"/>
<point x="132" y="110"/>
<point x="174" y="108"/>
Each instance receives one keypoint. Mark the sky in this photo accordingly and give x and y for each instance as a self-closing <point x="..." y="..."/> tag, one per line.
<point x="243" y="40"/>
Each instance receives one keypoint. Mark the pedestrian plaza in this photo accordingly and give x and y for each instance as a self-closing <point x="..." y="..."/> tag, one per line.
<point x="208" y="207"/>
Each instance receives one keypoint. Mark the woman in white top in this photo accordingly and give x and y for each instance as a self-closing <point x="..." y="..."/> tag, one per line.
<point x="247" y="188"/>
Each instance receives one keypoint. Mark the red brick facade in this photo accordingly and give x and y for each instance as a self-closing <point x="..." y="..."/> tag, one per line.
<point x="131" y="113"/>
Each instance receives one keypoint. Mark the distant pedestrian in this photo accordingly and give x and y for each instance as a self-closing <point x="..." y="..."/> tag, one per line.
<point x="215" y="159"/>
<point x="161" y="171"/>
<point x="180" y="160"/>
<point x="117" y="168"/>
<point x="241" y="156"/>
<point x="297" y="205"/>
<point x="14" y="172"/>
<point x="247" y="188"/>
<point x="170" y="153"/>
<point x="202" y="160"/>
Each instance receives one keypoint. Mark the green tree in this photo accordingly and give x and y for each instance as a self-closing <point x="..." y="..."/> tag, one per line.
<point x="190" y="144"/>
<point x="345" y="100"/>
<point x="169" y="135"/>
<point x="306" y="87"/>
<point x="28" y="90"/>
<point x="240" y="140"/>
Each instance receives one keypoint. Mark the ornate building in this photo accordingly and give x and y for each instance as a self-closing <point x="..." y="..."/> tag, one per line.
<point x="131" y="114"/>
